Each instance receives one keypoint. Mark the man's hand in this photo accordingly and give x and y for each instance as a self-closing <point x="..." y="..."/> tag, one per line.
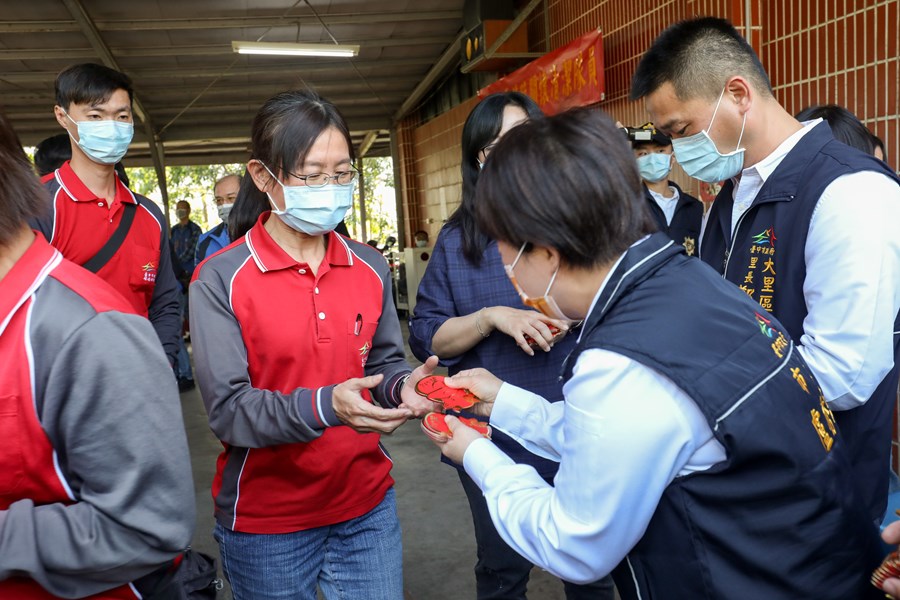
<point x="891" y="535"/>
<point x="455" y="447"/>
<point x="360" y="414"/>
<point x="480" y="382"/>
<point x="418" y="405"/>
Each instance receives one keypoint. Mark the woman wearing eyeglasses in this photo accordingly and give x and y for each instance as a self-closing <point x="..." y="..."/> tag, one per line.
<point x="469" y="315"/>
<point x="294" y="331"/>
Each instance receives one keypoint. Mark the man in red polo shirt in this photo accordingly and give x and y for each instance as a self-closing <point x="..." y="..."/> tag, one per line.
<point x="93" y="104"/>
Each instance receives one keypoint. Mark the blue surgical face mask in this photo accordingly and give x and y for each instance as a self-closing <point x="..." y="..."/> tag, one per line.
<point x="104" y="142"/>
<point x="700" y="158"/>
<point x="313" y="211"/>
<point x="654" y="166"/>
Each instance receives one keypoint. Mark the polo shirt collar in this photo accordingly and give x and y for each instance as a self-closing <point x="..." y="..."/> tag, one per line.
<point x="77" y="191"/>
<point x="269" y="256"/>
<point x="25" y="277"/>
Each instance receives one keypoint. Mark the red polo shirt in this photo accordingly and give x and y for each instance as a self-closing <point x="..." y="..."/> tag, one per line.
<point x="82" y="223"/>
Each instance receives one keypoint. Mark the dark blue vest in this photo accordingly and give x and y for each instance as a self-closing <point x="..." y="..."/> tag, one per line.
<point x="685" y="226"/>
<point x="779" y="518"/>
<point x="766" y="259"/>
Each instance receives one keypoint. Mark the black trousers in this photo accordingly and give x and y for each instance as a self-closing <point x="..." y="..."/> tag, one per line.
<point x="501" y="573"/>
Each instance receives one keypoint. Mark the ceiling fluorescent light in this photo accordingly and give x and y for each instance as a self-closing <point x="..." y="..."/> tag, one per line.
<point x="286" y="49"/>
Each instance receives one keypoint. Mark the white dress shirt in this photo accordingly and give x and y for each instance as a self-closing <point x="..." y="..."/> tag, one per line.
<point x="852" y="285"/>
<point x="624" y="433"/>
<point x="667" y="205"/>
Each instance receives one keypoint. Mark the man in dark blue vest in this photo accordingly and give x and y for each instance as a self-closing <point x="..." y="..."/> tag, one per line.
<point x="805" y="225"/>
<point x="676" y="213"/>
<point x="697" y="456"/>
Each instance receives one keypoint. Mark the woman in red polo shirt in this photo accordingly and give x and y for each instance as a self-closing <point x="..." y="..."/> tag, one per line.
<point x="294" y="330"/>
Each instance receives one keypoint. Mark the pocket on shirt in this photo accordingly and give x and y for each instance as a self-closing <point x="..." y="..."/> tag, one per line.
<point x="359" y="346"/>
<point x="143" y="268"/>
<point x="12" y="460"/>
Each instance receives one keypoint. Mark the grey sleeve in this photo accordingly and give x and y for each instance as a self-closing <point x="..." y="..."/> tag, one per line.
<point x="165" y="306"/>
<point x="388" y="355"/>
<point x="240" y="414"/>
<point x="112" y="413"/>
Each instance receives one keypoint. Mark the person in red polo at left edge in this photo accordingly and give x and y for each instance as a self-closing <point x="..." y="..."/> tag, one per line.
<point x="93" y="104"/>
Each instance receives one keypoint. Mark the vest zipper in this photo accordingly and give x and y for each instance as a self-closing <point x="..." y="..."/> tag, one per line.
<point x="730" y="249"/>
<point x="637" y="588"/>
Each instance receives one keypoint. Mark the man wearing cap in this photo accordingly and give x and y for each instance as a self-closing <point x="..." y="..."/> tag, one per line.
<point x="677" y="214"/>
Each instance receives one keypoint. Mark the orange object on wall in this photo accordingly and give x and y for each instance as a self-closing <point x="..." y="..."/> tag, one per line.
<point x="482" y="37"/>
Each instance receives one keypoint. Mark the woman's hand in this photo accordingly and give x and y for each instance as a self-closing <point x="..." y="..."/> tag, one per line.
<point x="360" y="414"/>
<point x="455" y="447"/>
<point x="480" y="382"/>
<point x="418" y="405"/>
<point x="517" y="323"/>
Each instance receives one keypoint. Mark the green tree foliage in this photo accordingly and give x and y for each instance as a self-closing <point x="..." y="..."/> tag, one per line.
<point x="195" y="185"/>
<point x="191" y="183"/>
<point x="381" y="207"/>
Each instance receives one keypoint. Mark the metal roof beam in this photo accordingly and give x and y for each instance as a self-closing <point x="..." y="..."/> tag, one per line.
<point x="198" y="50"/>
<point x="87" y="27"/>
<point x="331" y="88"/>
<point x="285" y="70"/>
<point x="359" y="18"/>
<point x="448" y="60"/>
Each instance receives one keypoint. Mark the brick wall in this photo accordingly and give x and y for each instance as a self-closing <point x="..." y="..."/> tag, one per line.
<point x="815" y="51"/>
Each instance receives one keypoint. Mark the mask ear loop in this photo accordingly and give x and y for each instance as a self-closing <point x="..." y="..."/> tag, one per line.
<point x="743" y="123"/>
<point x="552" y="279"/>
<point x="741" y="137"/>
<point x="718" y="102"/>
<point x="518" y="256"/>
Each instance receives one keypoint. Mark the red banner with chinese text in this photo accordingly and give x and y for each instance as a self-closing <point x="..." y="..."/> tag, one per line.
<point x="565" y="78"/>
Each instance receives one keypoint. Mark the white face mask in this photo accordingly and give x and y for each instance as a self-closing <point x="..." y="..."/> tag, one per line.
<point x="701" y="159"/>
<point x="224" y="210"/>
<point x="421" y="243"/>
<point x="313" y="211"/>
<point x="545" y="304"/>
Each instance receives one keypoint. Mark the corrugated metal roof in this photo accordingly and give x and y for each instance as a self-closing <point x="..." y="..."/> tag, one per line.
<point x="200" y="96"/>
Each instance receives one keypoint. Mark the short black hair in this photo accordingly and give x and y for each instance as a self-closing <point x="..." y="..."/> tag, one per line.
<point x="90" y="83"/>
<point x="568" y="182"/>
<point x="51" y="153"/>
<point x="844" y="125"/>
<point x="879" y="144"/>
<point x="481" y="127"/>
<point x="698" y="56"/>
<point x="22" y="197"/>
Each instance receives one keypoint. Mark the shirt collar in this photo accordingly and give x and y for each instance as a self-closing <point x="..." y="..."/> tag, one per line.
<point x="767" y="166"/>
<point x="269" y="256"/>
<point x="77" y="191"/>
<point x="606" y="279"/>
<point x="26" y="276"/>
<point x="660" y="198"/>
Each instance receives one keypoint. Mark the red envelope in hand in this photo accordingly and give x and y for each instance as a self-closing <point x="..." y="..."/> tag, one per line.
<point x="435" y="425"/>
<point x="434" y="388"/>
<point x="554" y="330"/>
